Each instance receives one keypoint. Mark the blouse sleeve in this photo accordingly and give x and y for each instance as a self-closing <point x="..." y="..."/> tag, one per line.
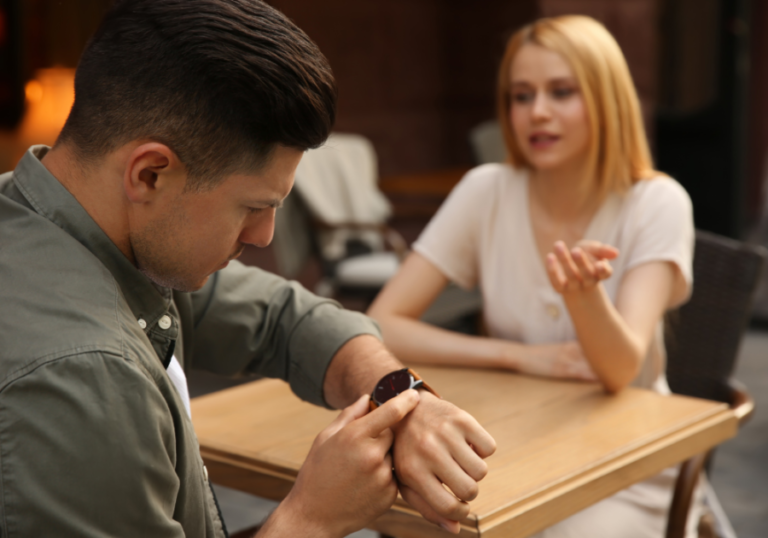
<point x="662" y="230"/>
<point x="451" y="239"/>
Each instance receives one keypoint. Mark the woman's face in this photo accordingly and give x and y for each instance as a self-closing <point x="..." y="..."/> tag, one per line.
<point x="548" y="114"/>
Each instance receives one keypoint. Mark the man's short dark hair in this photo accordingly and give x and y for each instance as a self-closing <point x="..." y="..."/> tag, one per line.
<point x="221" y="82"/>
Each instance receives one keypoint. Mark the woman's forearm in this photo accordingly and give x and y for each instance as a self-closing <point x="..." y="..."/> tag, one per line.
<point x="613" y="350"/>
<point x="414" y="341"/>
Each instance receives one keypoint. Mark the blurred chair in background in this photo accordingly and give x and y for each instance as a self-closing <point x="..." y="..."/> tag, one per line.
<point x="338" y="213"/>
<point x="702" y="342"/>
<point x="487" y="143"/>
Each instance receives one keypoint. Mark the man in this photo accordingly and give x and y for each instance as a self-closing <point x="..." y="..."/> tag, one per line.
<point x="189" y="121"/>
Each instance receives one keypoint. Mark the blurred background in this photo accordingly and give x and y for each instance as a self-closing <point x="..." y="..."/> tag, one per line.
<point x="417" y="76"/>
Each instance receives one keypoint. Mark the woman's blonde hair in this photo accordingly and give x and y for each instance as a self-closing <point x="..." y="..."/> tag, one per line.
<point x="618" y="153"/>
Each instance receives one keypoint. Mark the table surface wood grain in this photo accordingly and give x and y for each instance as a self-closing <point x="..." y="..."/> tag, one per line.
<point x="562" y="445"/>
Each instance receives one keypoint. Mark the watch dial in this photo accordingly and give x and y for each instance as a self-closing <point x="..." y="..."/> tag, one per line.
<point x="392" y="385"/>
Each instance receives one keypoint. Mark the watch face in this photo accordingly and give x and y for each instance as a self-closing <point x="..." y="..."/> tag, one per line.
<point x="392" y="385"/>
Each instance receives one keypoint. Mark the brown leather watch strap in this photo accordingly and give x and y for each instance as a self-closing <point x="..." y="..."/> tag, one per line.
<point x="424" y="384"/>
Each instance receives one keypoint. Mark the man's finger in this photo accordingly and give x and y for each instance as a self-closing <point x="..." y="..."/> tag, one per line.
<point x="350" y="413"/>
<point x="390" y="413"/>
<point x="444" y="503"/>
<point x="415" y="500"/>
<point x="451" y="473"/>
<point x="482" y="442"/>
<point x="464" y="454"/>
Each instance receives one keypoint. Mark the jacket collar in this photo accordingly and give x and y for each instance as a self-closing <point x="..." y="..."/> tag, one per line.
<point x="50" y="199"/>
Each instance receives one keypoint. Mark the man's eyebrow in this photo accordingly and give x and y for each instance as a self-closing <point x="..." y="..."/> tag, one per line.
<point x="275" y="203"/>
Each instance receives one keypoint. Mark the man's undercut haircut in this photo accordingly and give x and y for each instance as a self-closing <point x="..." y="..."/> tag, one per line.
<point x="220" y="82"/>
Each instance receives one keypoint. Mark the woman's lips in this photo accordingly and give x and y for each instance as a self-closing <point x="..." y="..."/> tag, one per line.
<point x="541" y="141"/>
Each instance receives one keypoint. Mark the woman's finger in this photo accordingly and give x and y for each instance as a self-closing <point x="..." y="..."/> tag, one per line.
<point x="585" y="266"/>
<point x="555" y="273"/>
<point x="569" y="267"/>
<point x="599" y="250"/>
<point x="603" y="269"/>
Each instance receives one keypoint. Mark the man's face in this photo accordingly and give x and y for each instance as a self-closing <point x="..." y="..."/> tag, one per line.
<point x="191" y="235"/>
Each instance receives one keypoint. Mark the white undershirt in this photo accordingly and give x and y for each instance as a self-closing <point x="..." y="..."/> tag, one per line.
<point x="179" y="380"/>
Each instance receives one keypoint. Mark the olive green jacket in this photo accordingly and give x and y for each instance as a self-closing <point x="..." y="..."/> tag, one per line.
<point x="94" y="438"/>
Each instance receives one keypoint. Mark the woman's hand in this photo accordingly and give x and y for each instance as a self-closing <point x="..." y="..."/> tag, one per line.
<point x="581" y="268"/>
<point x="564" y="360"/>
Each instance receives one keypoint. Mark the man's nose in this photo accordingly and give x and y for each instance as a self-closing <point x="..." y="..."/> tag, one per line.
<point x="259" y="230"/>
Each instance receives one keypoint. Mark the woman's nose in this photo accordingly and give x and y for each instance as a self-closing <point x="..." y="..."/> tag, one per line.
<point x="540" y="108"/>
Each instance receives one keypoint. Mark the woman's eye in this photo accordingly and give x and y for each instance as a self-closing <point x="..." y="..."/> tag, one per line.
<point x="562" y="93"/>
<point x="254" y="209"/>
<point x="522" y="97"/>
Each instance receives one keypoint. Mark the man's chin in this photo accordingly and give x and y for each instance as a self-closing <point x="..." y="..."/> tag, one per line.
<point x="176" y="282"/>
<point x="197" y="286"/>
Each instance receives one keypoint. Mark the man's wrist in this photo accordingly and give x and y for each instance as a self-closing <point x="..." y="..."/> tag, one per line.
<point x="397" y="382"/>
<point x="289" y="521"/>
<point x="355" y="369"/>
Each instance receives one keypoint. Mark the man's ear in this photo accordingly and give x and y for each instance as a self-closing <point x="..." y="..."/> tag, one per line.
<point x="152" y="169"/>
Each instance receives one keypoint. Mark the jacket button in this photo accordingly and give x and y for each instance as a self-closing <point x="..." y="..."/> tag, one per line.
<point x="142" y="323"/>
<point x="165" y="322"/>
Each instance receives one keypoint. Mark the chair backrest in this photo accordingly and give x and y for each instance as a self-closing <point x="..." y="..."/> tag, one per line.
<point x="338" y="182"/>
<point x="703" y="336"/>
<point x="487" y="143"/>
<point x="336" y="202"/>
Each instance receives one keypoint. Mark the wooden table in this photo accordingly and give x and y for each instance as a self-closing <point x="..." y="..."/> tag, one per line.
<point x="562" y="446"/>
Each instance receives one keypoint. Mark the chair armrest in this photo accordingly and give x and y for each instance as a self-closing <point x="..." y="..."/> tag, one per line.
<point x="396" y="241"/>
<point x="742" y="403"/>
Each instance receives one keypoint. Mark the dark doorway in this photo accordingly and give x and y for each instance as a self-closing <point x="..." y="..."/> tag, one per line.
<point x="701" y="113"/>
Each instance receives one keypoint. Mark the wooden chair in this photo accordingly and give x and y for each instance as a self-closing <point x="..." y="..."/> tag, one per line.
<point x="702" y="342"/>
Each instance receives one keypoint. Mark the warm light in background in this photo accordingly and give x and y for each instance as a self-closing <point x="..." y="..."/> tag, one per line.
<point x="49" y="98"/>
<point x="33" y="91"/>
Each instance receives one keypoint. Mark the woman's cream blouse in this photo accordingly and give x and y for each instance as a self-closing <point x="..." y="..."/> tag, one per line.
<point x="482" y="236"/>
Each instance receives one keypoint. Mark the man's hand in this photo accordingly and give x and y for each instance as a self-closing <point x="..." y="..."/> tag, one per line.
<point x="436" y="444"/>
<point x="346" y="481"/>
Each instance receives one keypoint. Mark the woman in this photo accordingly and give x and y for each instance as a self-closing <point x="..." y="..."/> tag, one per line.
<point x="577" y="244"/>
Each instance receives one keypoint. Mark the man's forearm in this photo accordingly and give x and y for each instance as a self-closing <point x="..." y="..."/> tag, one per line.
<point x="355" y="369"/>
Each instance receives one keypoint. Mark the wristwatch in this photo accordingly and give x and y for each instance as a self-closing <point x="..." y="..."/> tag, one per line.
<point x="396" y="382"/>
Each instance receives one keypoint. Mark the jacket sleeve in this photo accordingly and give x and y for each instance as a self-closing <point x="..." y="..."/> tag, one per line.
<point x="246" y="320"/>
<point x="87" y="448"/>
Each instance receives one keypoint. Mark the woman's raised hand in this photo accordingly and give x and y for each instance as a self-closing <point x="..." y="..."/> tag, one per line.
<point x="580" y="268"/>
